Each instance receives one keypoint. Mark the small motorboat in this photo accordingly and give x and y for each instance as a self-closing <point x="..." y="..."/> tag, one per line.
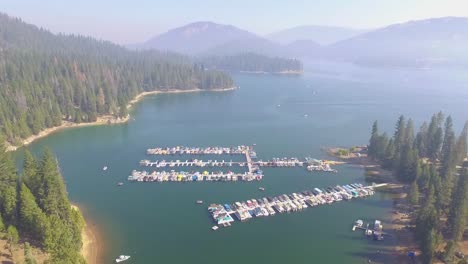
<point x="121" y="258"/>
<point x="199" y="201"/>
<point x="105" y="168"/>
<point x="261" y="188"/>
<point x="215" y="228"/>
<point x="120" y="184"/>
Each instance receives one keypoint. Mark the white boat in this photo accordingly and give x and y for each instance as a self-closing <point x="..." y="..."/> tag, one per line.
<point x="121" y="258"/>
<point x="215" y="228"/>
<point x="105" y="168"/>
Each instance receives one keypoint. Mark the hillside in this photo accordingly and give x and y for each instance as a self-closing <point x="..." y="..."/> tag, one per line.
<point x="46" y="79"/>
<point x="196" y="38"/>
<point x="303" y="49"/>
<point x="208" y="38"/>
<point x="415" y="43"/>
<point x="250" y="62"/>
<point x="323" y="35"/>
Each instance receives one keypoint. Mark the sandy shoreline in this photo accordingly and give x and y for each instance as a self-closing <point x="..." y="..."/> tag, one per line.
<point x="91" y="249"/>
<point x="107" y="119"/>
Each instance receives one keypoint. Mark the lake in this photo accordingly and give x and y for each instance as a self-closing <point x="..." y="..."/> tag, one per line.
<point x="330" y="105"/>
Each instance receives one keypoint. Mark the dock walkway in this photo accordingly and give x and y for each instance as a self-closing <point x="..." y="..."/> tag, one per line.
<point x="224" y="214"/>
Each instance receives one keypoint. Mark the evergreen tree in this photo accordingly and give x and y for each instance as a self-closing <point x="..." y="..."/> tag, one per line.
<point x="421" y="140"/>
<point x="28" y="258"/>
<point x="461" y="146"/>
<point x="31" y="218"/>
<point x="2" y="225"/>
<point x="458" y="208"/>
<point x="52" y="196"/>
<point x="8" y="182"/>
<point x="12" y="235"/>
<point x="387" y="162"/>
<point x="414" y="194"/>
<point x="399" y="136"/>
<point x="30" y="169"/>
<point x="372" y="148"/>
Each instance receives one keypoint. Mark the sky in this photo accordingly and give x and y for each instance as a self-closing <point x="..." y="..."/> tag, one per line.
<point x="134" y="21"/>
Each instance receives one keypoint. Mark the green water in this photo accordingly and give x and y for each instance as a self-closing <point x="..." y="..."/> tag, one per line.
<point x="160" y="223"/>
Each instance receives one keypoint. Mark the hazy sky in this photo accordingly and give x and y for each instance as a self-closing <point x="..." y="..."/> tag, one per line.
<point x="134" y="21"/>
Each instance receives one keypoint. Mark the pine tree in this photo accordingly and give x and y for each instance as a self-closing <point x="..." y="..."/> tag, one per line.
<point x="8" y="182"/>
<point x="30" y="169"/>
<point x="52" y="196"/>
<point x="399" y="136"/>
<point x="2" y="225"/>
<point x="461" y="145"/>
<point x="387" y="162"/>
<point x="12" y="235"/>
<point x="458" y="208"/>
<point x="414" y="194"/>
<point x="28" y="258"/>
<point x="372" y="148"/>
<point x="31" y="218"/>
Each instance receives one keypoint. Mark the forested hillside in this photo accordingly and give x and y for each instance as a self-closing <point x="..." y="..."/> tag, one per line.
<point x="432" y="161"/>
<point x="34" y="208"/>
<point x="251" y="62"/>
<point x="47" y="78"/>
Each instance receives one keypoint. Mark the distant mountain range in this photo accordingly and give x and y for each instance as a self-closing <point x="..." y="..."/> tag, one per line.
<point x="323" y="35"/>
<point x="423" y="42"/>
<point x="431" y="41"/>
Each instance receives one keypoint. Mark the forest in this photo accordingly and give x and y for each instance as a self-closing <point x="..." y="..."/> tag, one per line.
<point x="34" y="208"/>
<point x="251" y="62"/>
<point x="433" y="162"/>
<point x="46" y="79"/>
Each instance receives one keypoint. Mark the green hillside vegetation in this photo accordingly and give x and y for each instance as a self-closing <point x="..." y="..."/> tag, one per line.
<point x="251" y="62"/>
<point x="46" y="78"/>
<point x="35" y="208"/>
<point x="432" y="163"/>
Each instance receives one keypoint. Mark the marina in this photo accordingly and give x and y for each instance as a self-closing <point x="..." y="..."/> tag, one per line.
<point x="253" y="165"/>
<point x="224" y="214"/>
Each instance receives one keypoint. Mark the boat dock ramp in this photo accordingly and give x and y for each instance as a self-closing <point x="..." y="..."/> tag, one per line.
<point x="225" y="214"/>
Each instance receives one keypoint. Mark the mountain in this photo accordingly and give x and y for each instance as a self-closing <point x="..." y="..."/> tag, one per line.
<point x="303" y="49"/>
<point x="208" y="38"/>
<point x="423" y="42"/>
<point x="323" y="35"/>
<point x="249" y="44"/>
<point x="196" y="38"/>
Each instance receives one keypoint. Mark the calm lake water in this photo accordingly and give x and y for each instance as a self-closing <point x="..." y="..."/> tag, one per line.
<point x="160" y="223"/>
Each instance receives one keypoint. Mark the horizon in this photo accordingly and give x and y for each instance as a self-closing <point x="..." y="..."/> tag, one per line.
<point x="123" y="27"/>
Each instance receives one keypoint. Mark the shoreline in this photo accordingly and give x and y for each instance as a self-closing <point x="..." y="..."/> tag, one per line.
<point x="92" y="248"/>
<point x="287" y="72"/>
<point x="106" y="119"/>
<point x="399" y="217"/>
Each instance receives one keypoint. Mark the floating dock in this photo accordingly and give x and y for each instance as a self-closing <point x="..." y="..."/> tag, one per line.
<point x="253" y="165"/>
<point x="225" y="214"/>
<point x="173" y="176"/>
